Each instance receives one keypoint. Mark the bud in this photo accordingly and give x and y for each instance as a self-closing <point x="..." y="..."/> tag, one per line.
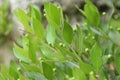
<point x="44" y="14"/>
<point x="60" y="44"/>
<point x="91" y="73"/>
<point x="93" y="37"/>
<point x="20" y="60"/>
<point x="86" y="49"/>
<point x="103" y="13"/>
<point x="18" y="69"/>
<point x="67" y="76"/>
<point x="118" y="29"/>
<point x="64" y="45"/>
<point x="75" y="29"/>
<point x="109" y="56"/>
<point x="40" y="59"/>
<point x="54" y="69"/>
<point x="44" y="10"/>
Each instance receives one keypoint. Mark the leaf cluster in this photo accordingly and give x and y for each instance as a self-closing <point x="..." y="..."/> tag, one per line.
<point x="90" y="51"/>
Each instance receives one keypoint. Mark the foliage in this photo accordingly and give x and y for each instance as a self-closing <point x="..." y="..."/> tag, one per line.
<point x="59" y="52"/>
<point x="5" y="24"/>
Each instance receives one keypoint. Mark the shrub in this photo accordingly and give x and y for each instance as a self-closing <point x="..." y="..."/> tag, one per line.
<point x="89" y="51"/>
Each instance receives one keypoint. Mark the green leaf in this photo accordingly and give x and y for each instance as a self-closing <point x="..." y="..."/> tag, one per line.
<point x="21" y="54"/>
<point x="21" y="77"/>
<point x="25" y="44"/>
<point x="46" y="52"/>
<point x="59" y="73"/>
<point x="86" y="68"/>
<point x="115" y="37"/>
<point x="30" y="67"/>
<point x="13" y="70"/>
<point x="50" y="34"/>
<point x="66" y="52"/>
<point x="102" y="75"/>
<point x="67" y="32"/>
<point x="32" y="49"/>
<point x="79" y="40"/>
<point x="115" y="23"/>
<point x="35" y="12"/>
<point x="51" y="53"/>
<point x="68" y="69"/>
<point x="29" y="46"/>
<point x="38" y="28"/>
<point x="78" y="74"/>
<point x="92" y="77"/>
<point x="91" y="13"/>
<point x="23" y="18"/>
<point x="58" y="54"/>
<point x="53" y="14"/>
<point x="36" y="76"/>
<point x="48" y="70"/>
<point x="117" y="62"/>
<point x="96" y="57"/>
<point x="5" y="72"/>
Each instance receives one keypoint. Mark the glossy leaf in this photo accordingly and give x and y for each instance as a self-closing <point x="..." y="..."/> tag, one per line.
<point x="115" y="37"/>
<point x="86" y="68"/>
<point x="48" y="70"/>
<point x="13" y="70"/>
<point x="68" y="68"/>
<point x="91" y="13"/>
<point x="60" y="74"/>
<point x="79" y="40"/>
<point x="66" y="52"/>
<point x="35" y="12"/>
<point x="21" y="54"/>
<point x="30" y="67"/>
<point x="23" y="18"/>
<point x="96" y="57"/>
<point x="55" y="18"/>
<point x="78" y="74"/>
<point x="29" y="46"/>
<point x="67" y="32"/>
<point x="38" y="28"/>
<point x="50" y="34"/>
<point x="51" y="53"/>
<point x="25" y="44"/>
<point x="32" y="49"/>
